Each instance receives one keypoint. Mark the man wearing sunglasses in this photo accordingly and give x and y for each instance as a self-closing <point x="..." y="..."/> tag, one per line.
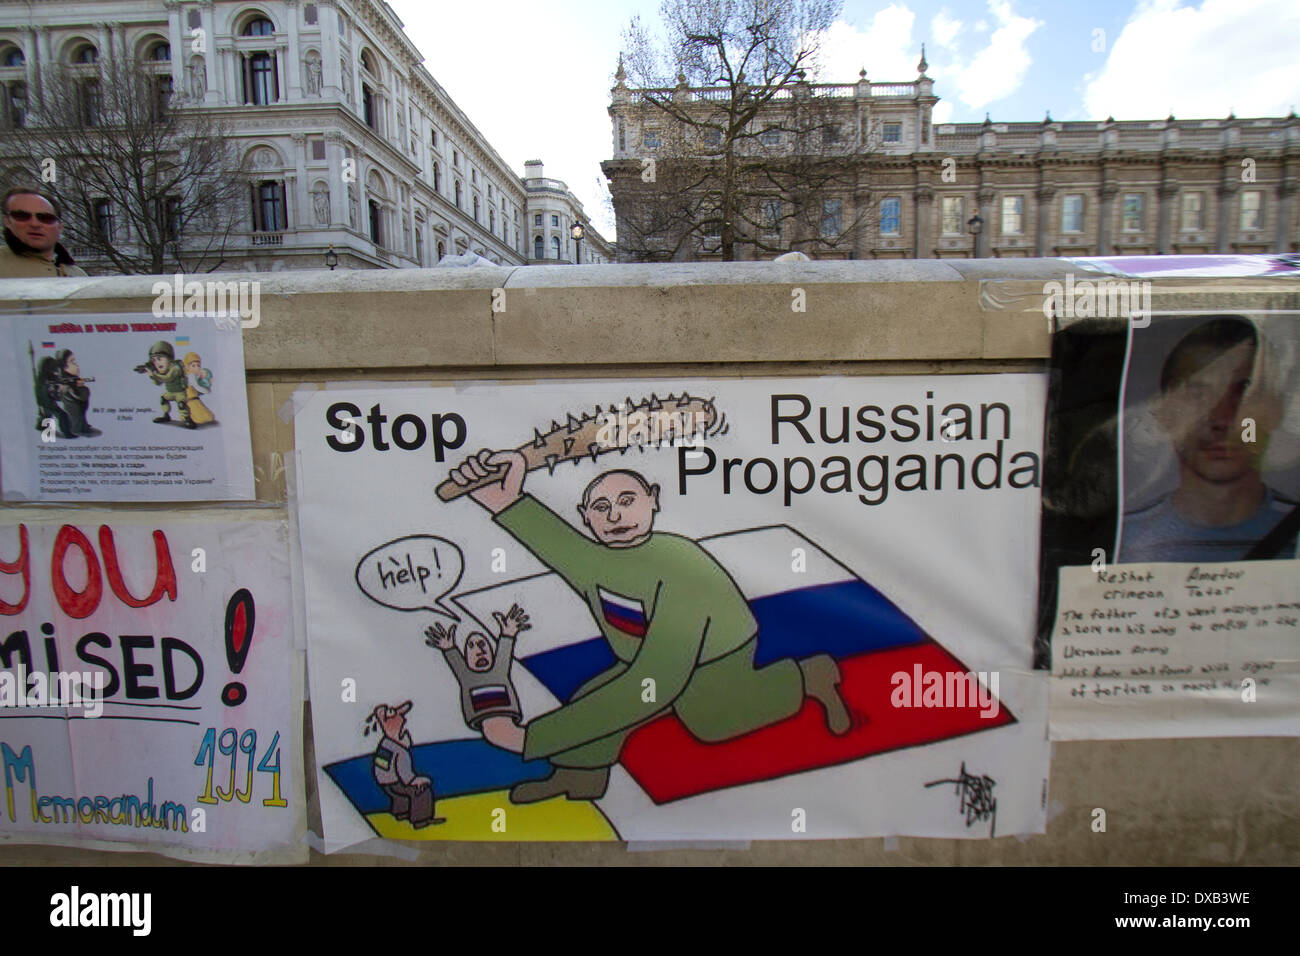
<point x="32" y="227"/>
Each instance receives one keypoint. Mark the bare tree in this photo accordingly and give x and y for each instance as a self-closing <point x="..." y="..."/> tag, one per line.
<point x="742" y="151"/>
<point x="147" y="180"/>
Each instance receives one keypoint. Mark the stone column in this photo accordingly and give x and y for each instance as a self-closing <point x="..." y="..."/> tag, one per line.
<point x="1106" y="217"/>
<point x="334" y="156"/>
<point x="922" y="207"/>
<point x="215" y="75"/>
<point x="1167" y="191"/>
<point x="36" y="36"/>
<point x="304" y="215"/>
<point x="1286" y="190"/>
<point x="1046" y="191"/>
<point x="331" y="81"/>
<point x="293" y="63"/>
<point x="1227" y="210"/>
<point x="176" y="38"/>
<point x="985" y="196"/>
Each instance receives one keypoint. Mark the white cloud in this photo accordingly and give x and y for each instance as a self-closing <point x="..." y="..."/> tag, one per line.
<point x="1198" y="62"/>
<point x="944" y="28"/>
<point x="942" y="112"/>
<point x="885" y="48"/>
<point x="998" y="69"/>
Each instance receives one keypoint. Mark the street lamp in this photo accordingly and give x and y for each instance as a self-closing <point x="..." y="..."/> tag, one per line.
<point x="975" y="225"/>
<point x="331" y="257"/>
<point x="577" y="232"/>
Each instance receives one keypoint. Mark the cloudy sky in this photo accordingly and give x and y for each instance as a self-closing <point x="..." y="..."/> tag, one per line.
<point x="535" y="77"/>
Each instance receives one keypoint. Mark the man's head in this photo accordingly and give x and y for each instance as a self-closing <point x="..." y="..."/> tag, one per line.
<point x="68" y="362"/>
<point x="479" y="652"/>
<point x="1210" y="384"/>
<point x="392" y="720"/>
<point x="161" y="355"/>
<point x="619" y="507"/>
<point x="33" y="217"/>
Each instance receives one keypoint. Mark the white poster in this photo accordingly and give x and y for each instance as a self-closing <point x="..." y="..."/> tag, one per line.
<point x="148" y="697"/>
<point x="124" y="407"/>
<point x="687" y="609"/>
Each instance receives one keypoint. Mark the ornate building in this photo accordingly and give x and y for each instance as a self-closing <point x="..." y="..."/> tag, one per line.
<point x="346" y="140"/>
<point x="552" y="212"/>
<point x="1003" y="189"/>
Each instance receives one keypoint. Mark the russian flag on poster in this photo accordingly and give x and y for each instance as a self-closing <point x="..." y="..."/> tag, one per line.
<point x="831" y="611"/>
<point x="624" y="613"/>
<point x="493" y="695"/>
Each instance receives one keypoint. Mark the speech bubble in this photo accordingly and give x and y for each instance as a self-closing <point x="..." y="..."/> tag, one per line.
<point x="412" y="573"/>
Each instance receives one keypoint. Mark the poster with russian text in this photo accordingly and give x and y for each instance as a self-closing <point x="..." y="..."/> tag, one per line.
<point x="148" y="695"/>
<point x="124" y="407"/>
<point x="1171" y="589"/>
<point x="675" y="609"/>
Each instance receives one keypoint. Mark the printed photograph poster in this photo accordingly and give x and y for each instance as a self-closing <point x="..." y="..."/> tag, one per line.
<point x="1170" y="527"/>
<point x="148" y="696"/>
<point x="675" y="609"/>
<point x="124" y="407"/>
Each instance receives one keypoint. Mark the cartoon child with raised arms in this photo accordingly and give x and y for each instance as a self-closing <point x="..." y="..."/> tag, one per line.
<point x="482" y="671"/>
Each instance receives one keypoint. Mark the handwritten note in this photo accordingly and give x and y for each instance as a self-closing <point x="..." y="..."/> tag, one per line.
<point x="1177" y="650"/>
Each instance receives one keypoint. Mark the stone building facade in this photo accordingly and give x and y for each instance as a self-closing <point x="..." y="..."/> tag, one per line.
<point x="347" y="140"/>
<point x="552" y="212"/>
<point x="1033" y="189"/>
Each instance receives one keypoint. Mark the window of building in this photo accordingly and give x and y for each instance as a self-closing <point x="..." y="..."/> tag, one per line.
<point x="489" y="191"/>
<point x="537" y="219"/>
<point x="1252" y="211"/>
<point x="442" y="251"/>
<point x="368" y="107"/>
<point x="104" y="219"/>
<point x="317" y="148"/>
<point x="91" y="102"/>
<point x="770" y="137"/>
<point x="12" y="57"/>
<point x="455" y="158"/>
<point x="17" y="102"/>
<point x="953" y="221"/>
<point x="193" y="19"/>
<point x="651" y="139"/>
<point x="1132" y="212"/>
<point x="268" y="207"/>
<point x="473" y="175"/>
<point x="1072" y="213"/>
<point x="771" y="217"/>
<point x="890" y="216"/>
<point x="712" y="137"/>
<point x="160" y="52"/>
<point x="539" y="248"/>
<point x="261" y="85"/>
<point x="555" y="222"/>
<point x="162" y="97"/>
<point x="259" y="27"/>
<point x="433" y="138"/>
<point x="830" y="218"/>
<point x="458" y="194"/>
<point x="830" y="134"/>
<point x="1013" y="215"/>
<point x="368" y="63"/>
<point x="376" y="223"/>
<point x="893" y="132"/>
<point x="492" y="221"/>
<point x="1193" y="212"/>
<point x="476" y="209"/>
<point x="85" y="54"/>
<point x="437" y="174"/>
<point x="555" y="245"/>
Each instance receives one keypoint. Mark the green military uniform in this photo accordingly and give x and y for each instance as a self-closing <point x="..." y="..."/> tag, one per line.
<point x="698" y="644"/>
<point x="173" y="381"/>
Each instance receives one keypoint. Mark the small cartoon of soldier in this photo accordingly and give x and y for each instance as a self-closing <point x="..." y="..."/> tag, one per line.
<point x="163" y="369"/>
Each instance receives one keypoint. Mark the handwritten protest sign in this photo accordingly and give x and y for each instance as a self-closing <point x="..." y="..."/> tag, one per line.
<point x="147" y="696"/>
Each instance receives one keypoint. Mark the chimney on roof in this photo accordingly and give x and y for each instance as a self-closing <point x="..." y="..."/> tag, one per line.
<point x="533" y="169"/>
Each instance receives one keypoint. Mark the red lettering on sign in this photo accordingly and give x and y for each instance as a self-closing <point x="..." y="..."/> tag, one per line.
<point x="164" y="576"/>
<point x="75" y="604"/>
<point x="21" y="566"/>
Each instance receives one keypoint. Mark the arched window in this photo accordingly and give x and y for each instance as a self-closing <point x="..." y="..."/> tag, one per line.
<point x="258" y="27"/>
<point x="539" y="248"/>
<point x="368" y="107"/>
<point x="442" y="251"/>
<point x="368" y="63"/>
<point x="12" y="57"/>
<point x="160" y="52"/>
<point x="268" y="207"/>
<point x="261" y="85"/>
<point x="476" y="209"/>
<point x="555" y="244"/>
<point x="458" y="194"/>
<point x="436" y="176"/>
<point x="85" y="54"/>
<point x="375" y="221"/>
<point x="492" y="221"/>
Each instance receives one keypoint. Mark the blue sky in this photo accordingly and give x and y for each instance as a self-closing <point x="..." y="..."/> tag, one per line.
<point x="535" y="78"/>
